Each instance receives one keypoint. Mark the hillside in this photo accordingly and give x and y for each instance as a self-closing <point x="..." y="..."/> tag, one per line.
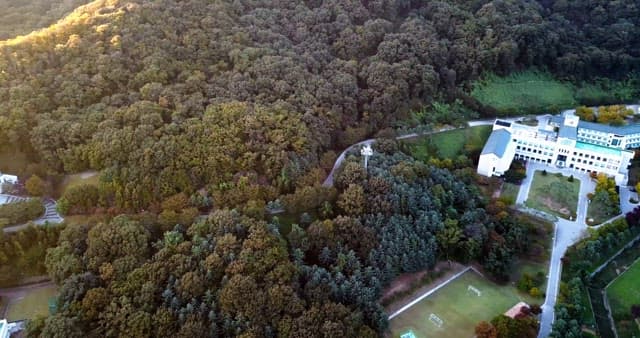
<point x="20" y="17"/>
<point x="211" y="107"/>
<point x="335" y="71"/>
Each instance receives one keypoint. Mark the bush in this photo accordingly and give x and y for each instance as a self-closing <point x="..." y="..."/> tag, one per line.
<point x="21" y="212"/>
<point x="633" y="200"/>
<point x="544" y="173"/>
<point x="570" y="179"/>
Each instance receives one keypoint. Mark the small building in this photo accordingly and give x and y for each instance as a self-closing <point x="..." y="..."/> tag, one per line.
<point x="497" y="153"/>
<point x="561" y="143"/>
<point x="10" y="179"/>
<point x="516" y="309"/>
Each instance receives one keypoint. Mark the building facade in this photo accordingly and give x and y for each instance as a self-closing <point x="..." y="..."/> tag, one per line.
<point x="564" y="142"/>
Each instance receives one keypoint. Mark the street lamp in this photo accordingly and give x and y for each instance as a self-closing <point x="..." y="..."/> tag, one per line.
<point x="366" y="151"/>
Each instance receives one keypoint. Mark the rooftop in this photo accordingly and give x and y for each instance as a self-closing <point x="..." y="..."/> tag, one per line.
<point x="628" y="129"/>
<point x="598" y="149"/>
<point x="497" y="142"/>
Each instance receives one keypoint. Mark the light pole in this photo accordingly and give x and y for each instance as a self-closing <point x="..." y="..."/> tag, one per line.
<point x="366" y="151"/>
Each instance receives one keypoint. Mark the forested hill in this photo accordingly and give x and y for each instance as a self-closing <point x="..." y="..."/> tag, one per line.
<point x="20" y="17"/>
<point x="169" y="96"/>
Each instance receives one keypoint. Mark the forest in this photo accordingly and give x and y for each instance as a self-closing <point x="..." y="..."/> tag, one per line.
<point x="199" y="114"/>
<point x="141" y="90"/>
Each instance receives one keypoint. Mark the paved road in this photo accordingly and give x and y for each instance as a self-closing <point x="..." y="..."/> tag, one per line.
<point x="50" y="215"/>
<point x="566" y="233"/>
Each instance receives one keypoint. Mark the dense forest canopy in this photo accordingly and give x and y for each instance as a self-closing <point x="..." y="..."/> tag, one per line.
<point x="20" y="17"/>
<point x="142" y="89"/>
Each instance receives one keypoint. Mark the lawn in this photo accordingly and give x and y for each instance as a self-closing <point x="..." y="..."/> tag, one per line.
<point x="598" y="212"/>
<point x="623" y="293"/>
<point x="459" y="308"/>
<point x="554" y="194"/>
<point x="509" y="191"/>
<point x="33" y="304"/>
<point x="452" y="143"/>
<point x="525" y="92"/>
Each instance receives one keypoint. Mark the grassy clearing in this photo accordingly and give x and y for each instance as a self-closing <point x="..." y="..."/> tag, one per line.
<point x="459" y="308"/>
<point x="450" y="144"/>
<point x="33" y="304"/>
<point x="525" y="92"/>
<point x="89" y="177"/>
<point x="623" y="293"/>
<point x="554" y="194"/>
<point x="509" y="191"/>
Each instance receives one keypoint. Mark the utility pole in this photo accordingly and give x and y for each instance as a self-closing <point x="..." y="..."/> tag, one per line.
<point x="366" y="151"/>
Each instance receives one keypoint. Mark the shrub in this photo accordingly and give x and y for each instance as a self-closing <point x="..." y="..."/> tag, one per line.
<point x="570" y="179"/>
<point x="21" y="212"/>
<point x="544" y="173"/>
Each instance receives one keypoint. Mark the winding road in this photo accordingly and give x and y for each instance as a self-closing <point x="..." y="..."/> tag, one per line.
<point x="328" y="182"/>
<point x="50" y="215"/>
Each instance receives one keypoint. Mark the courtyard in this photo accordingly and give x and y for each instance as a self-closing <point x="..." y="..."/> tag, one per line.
<point x="555" y="194"/>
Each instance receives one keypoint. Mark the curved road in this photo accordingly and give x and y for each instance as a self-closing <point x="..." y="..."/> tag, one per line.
<point x="50" y="215"/>
<point x="328" y="182"/>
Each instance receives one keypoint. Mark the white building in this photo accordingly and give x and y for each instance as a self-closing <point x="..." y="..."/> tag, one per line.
<point x="564" y="142"/>
<point x="7" y="179"/>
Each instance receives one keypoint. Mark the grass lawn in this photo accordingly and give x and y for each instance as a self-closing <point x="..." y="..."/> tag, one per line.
<point x="525" y="92"/>
<point x="450" y="144"/>
<point x="553" y="194"/>
<point x="597" y="211"/>
<point x="33" y="304"/>
<point x="623" y="293"/>
<point x="510" y="191"/>
<point x="459" y="308"/>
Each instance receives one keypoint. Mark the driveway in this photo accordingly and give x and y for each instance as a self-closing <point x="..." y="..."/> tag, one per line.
<point x="566" y="233"/>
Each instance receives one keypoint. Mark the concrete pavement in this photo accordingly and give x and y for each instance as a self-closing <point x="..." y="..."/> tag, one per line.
<point x="566" y="233"/>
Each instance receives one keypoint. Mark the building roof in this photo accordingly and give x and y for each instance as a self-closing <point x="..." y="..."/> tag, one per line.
<point x="513" y="312"/>
<point x="568" y="132"/>
<point x="598" y="149"/>
<point x="497" y="142"/>
<point x="628" y="129"/>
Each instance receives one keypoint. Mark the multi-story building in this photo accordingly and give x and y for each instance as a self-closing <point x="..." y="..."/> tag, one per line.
<point x="565" y="142"/>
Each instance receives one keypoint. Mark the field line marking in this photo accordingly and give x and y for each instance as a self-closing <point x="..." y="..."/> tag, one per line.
<point x="428" y="293"/>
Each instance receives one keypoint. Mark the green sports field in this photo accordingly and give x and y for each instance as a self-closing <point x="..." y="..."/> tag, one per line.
<point x="623" y="293"/>
<point x="459" y="308"/>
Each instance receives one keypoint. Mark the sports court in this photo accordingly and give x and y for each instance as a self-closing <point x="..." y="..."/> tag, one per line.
<point x="455" y="309"/>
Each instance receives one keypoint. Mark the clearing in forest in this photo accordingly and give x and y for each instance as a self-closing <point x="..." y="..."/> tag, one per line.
<point x="456" y="308"/>
<point x="525" y="92"/>
<point x="623" y="293"/>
